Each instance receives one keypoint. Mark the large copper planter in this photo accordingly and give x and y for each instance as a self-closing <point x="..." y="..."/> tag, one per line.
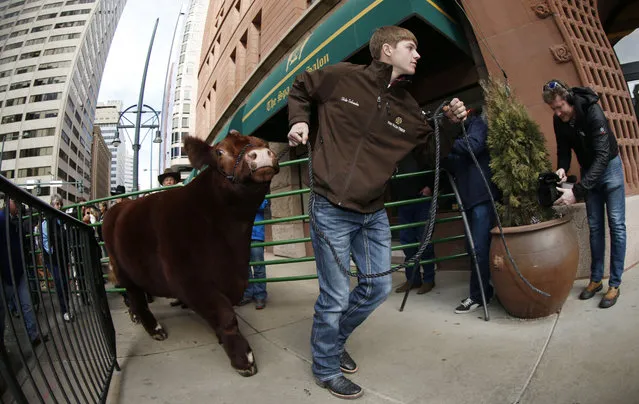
<point x="547" y="255"/>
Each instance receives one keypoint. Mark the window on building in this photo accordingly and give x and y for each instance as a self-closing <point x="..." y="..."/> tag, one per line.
<point x="63" y="156"/>
<point x="9" y="136"/>
<point x="35" y="41"/>
<point x="30" y="55"/>
<point x="8" y="173"/>
<point x="47" y="16"/>
<point x="75" y="12"/>
<point x="64" y="37"/>
<point x="37" y="151"/>
<point x="74" y="2"/>
<point x="41" y="28"/>
<point x="16" y="4"/>
<point x="52" y="113"/>
<point x="55" y="65"/>
<point x="15" y="101"/>
<point x="187" y="94"/>
<point x="67" y="120"/>
<point x="44" y="132"/>
<point x="11" y="118"/>
<point x="7" y="25"/>
<point x="34" y="172"/>
<point x="62" y="174"/>
<point x="45" y="97"/>
<point x="8" y="155"/>
<point x="8" y="59"/>
<point x="52" y="5"/>
<point x="72" y="165"/>
<point x="58" y="51"/>
<point x="65" y="137"/>
<point x="3" y="88"/>
<point x="49" y="80"/>
<point x="185" y="122"/>
<point x="19" y="84"/>
<point x="14" y="45"/>
<point x="5" y="73"/>
<point x="186" y="108"/>
<point x="25" y="69"/>
<point x="69" y="24"/>
<point x="176" y="122"/>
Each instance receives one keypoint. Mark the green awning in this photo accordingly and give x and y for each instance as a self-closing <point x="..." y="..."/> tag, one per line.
<point x="344" y="32"/>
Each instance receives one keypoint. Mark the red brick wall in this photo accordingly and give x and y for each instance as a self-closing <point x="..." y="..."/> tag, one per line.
<point x="246" y="35"/>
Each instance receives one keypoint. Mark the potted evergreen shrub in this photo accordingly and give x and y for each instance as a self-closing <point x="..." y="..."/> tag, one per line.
<point x="542" y="244"/>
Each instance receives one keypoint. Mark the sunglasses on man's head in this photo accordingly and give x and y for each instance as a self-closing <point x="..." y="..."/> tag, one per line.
<point x="551" y="85"/>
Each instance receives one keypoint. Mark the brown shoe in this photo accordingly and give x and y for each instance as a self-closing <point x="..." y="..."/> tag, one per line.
<point x="590" y="290"/>
<point x="426" y="287"/>
<point x="610" y="298"/>
<point x="404" y="287"/>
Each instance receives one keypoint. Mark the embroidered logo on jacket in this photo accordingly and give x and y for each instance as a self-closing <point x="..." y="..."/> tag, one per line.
<point x="350" y="101"/>
<point x="398" y="120"/>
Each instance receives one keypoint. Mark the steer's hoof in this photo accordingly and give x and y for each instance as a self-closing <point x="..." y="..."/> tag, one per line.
<point x="159" y="333"/>
<point x="134" y="318"/>
<point x="252" y="370"/>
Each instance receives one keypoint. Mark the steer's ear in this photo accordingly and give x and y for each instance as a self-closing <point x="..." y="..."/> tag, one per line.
<point x="199" y="152"/>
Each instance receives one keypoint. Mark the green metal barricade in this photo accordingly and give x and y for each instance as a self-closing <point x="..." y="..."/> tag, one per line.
<point x="304" y="219"/>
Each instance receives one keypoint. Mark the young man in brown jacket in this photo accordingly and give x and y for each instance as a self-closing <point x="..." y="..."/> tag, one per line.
<point x="367" y="123"/>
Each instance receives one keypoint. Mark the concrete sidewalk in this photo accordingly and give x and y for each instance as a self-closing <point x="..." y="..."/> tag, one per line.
<point x="426" y="354"/>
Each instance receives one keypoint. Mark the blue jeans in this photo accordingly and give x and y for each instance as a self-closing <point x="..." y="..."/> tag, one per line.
<point x="481" y="220"/>
<point x="27" y="309"/>
<point x="61" y="284"/>
<point x="338" y="311"/>
<point x="418" y="212"/>
<point x="256" y="290"/>
<point x="611" y="193"/>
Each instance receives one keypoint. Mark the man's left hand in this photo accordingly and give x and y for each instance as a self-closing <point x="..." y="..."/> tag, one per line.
<point x="456" y="110"/>
<point x="426" y="191"/>
<point x="567" y="197"/>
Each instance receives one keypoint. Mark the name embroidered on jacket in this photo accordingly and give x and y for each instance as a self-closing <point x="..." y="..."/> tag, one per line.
<point x="394" y="125"/>
<point x="350" y="101"/>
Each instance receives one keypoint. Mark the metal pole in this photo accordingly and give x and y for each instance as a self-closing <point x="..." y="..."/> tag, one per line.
<point x="166" y="78"/>
<point x="136" y="142"/>
<point x="151" y="166"/>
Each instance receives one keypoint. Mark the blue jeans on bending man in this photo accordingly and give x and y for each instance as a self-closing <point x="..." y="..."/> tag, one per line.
<point x="338" y="310"/>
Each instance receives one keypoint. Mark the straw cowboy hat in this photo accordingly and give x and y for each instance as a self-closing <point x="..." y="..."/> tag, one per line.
<point x="168" y="172"/>
<point x="119" y="190"/>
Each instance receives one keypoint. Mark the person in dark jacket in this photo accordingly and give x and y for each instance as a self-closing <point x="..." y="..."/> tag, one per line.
<point x="257" y="291"/>
<point x="411" y="188"/>
<point x="367" y="122"/>
<point x="13" y="273"/>
<point x="581" y="126"/>
<point x="476" y="200"/>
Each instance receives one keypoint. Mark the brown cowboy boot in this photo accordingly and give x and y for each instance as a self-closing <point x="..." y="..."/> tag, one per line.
<point x="590" y="290"/>
<point x="610" y="298"/>
<point x="404" y="287"/>
<point x="426" y="287"/>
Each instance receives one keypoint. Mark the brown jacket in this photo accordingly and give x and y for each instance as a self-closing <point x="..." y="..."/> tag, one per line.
<point x="365" y="128"/>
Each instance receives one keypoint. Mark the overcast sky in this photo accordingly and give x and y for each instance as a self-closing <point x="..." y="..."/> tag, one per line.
<point x="125" y="64"/>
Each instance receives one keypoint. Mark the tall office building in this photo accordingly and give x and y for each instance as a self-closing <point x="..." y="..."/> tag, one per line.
<point x="128" y="170"/>
<point x="100" y="166"/>
<point x="183" y="104"/>
<point x="51" y="63"/>
<point x="106" y="117"/>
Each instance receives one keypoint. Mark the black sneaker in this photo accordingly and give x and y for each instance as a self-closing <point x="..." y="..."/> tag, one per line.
<point x="342" y="387"/>
<point x="347" y="364"/>
<point x="468" y="305"/>
<point x="245" y="301"/>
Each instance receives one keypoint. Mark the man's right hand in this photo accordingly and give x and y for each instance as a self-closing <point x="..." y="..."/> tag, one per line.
<point x="298" y="134"/>
<point x="561" y="173"/>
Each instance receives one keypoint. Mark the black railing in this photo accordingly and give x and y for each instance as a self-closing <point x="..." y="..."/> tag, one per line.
<point x="58" y="340"/>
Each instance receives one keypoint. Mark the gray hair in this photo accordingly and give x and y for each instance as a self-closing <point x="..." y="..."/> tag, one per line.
<point x="55" y="198"/>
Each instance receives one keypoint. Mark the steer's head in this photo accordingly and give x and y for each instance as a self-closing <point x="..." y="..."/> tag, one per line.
<point x="242" y="159"/>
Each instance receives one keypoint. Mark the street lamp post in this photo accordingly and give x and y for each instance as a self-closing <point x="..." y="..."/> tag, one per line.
<point x="149" y="124"/>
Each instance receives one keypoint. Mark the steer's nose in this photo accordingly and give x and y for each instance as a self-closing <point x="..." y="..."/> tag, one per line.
<point x="258" y="158"/>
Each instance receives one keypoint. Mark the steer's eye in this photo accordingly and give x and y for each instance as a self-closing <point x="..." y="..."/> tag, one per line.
<point x="219" y="152"/>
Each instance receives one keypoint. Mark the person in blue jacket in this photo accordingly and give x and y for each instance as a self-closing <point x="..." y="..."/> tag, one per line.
<point x="11" y="262"/>
<point x="476" y="200"/>
<point x="257" y="291"/>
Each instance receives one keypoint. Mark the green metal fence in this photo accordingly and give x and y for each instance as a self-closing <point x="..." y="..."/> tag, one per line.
<point x="304" y="219"/>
